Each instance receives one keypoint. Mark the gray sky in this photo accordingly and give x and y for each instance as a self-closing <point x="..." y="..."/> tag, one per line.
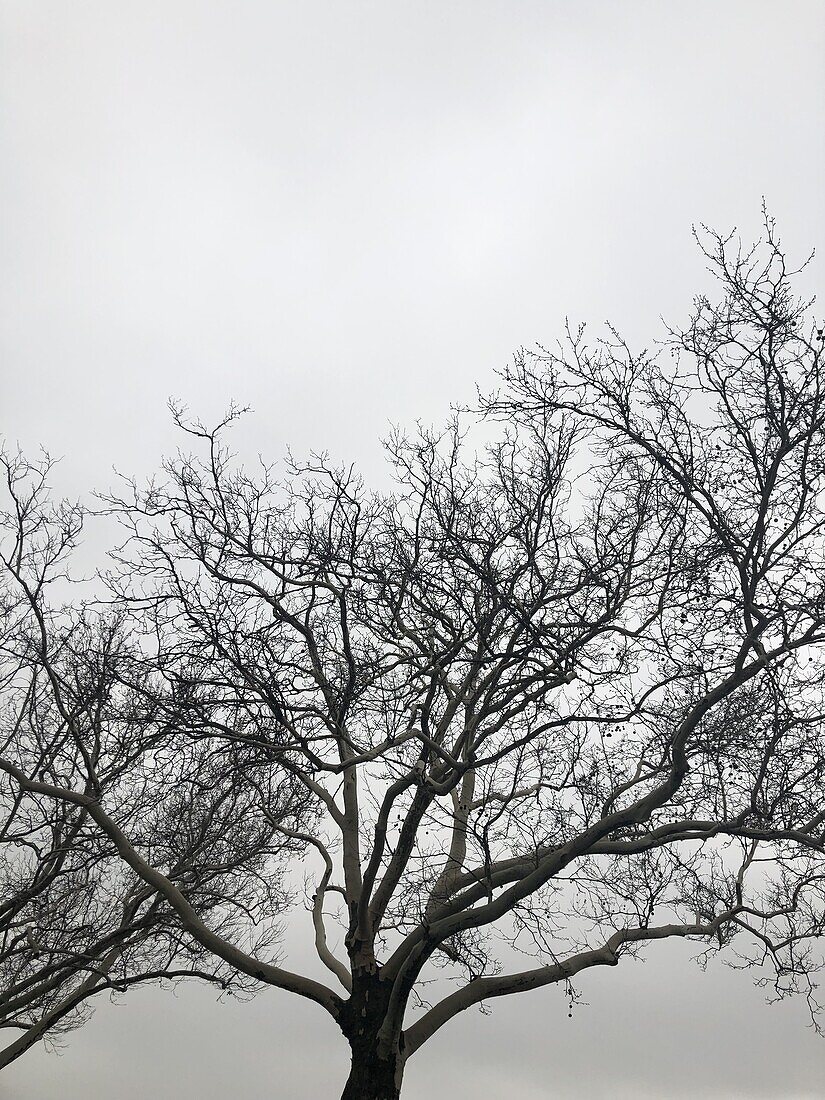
<point x="346" y="214"/>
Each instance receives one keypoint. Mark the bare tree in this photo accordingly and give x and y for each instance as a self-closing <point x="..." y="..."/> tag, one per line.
<point x="561" y="690"/>
<point x="80" y="728"/>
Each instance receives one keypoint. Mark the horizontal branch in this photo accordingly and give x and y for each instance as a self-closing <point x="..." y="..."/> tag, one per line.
<point x="482" y="989"/>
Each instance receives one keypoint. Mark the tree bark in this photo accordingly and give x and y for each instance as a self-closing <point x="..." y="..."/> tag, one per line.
<point x="377" y="1065"/>
<point x="372" y="1079"/>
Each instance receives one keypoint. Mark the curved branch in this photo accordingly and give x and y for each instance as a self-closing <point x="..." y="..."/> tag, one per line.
<point x="247" y="964"/>
<point x="322" y="948"/>
<point x="482" y="989"/>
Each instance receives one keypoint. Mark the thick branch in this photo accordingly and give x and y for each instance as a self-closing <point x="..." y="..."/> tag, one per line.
<point x="255" y="968"/>
<point x="482" y="989"/>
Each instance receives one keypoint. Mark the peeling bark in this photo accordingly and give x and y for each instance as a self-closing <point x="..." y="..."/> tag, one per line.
<point x="377" y="1064"/>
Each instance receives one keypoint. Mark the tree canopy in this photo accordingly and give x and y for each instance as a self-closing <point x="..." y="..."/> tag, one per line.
<point x="559" y="688"/>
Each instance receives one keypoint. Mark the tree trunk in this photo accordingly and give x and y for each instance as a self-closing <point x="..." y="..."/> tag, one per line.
<point x="372" y="1078"/>
<point x="377" y="1066"/>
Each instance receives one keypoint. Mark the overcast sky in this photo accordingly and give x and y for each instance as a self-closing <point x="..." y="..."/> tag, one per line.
<point x="346" y="215"/>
